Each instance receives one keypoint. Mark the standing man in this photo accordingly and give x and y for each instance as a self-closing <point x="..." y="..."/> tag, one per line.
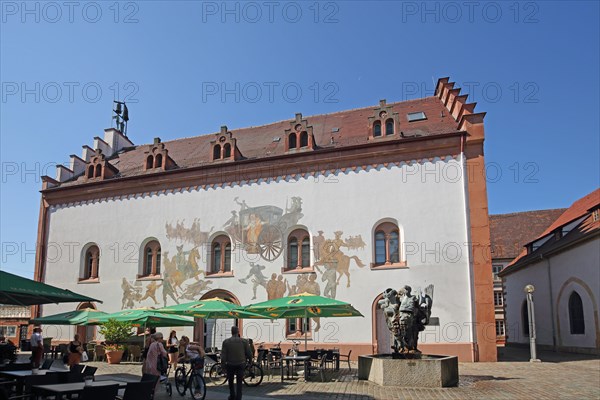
<point x="234" y="354"/>
<point x="37" y="347"/>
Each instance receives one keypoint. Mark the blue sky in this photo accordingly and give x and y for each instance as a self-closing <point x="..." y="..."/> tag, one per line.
<point x="188" y="67"/>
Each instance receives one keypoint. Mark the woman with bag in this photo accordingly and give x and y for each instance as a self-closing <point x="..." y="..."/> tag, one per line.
<point x="173" y="344"/>
<point x="75" y="350"/>
<point x="155" y="351"/>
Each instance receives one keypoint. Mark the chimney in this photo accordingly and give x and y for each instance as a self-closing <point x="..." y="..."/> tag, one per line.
<point x="116" y="140"/>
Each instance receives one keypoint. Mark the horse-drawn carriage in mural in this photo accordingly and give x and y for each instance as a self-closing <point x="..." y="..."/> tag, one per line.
<point x="260" y="229"/>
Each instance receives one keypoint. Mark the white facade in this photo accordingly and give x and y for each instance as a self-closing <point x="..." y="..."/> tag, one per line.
<point x="430" y="210"/>
<point x="555" y="278"/>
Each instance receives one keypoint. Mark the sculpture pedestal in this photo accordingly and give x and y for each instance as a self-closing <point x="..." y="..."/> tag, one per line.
<point x="427" y="371"/>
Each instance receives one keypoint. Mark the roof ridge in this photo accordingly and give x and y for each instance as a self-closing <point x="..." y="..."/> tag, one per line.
<point x="529" y="212"/>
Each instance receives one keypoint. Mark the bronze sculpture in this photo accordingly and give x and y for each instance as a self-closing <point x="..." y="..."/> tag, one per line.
<point x="406" y="315"/>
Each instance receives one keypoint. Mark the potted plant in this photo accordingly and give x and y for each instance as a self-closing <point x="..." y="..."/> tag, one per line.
<point x="115" y="332"/>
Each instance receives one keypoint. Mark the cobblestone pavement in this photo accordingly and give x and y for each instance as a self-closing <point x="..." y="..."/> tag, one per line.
<point x="559" y="376"/>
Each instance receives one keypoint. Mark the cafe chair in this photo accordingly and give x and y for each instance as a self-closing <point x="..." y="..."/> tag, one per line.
<point x="89" y="370"/>
<point x="34" y="380"/>
<point x="319" y="365"/>
<point x="138" y="391"/>
<point x="78" y="368"/>
<point x="346" y="358"/>
<point x="99" y="392"/>
<point x="47" y="363"/>
<point x="150" y="378"/>
<point x="99" y="353"/>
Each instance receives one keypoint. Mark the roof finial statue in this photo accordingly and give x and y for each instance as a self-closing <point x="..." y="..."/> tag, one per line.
<point x="121" y="116"/>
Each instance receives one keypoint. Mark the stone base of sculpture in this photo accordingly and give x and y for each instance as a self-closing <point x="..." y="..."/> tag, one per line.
<point x="426" y="371"/>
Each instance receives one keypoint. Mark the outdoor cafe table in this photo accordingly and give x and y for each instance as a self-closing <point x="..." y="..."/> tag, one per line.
<point x="19" y="376"/>
<point x="62" y="389"/>
<point x="294" y="359"/>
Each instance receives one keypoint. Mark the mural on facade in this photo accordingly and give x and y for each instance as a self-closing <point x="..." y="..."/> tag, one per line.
<point x="193" y="234"/>
<point x="259" y="230"/>
<point x="330" y="256"/>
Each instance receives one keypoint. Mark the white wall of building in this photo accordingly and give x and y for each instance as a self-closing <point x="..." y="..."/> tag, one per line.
<point x="430" y="210"/>
<point x="575" y="269"/>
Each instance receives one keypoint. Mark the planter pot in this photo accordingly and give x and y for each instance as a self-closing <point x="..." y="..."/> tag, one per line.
<point x="114" y="357"/>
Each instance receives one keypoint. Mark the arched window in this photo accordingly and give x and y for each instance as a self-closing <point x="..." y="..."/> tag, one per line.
<point x="304" y="139"/>
<point x="227" y="150"/>
<point x="576" y="320"/>
<point x="387" y="244"/>
<point x="98" y="172"/>
<point x="217" y="152"/>
<point x="389" y="127"/>
<point x="292" y="140"/>
<point x="377" y="128"/>
<point x="149" y="162"/>
<point x="298" y="250"/>
<point x="158" y="161"/>
<point x="525" y="319"/>
<point x="152" y="256"/>
<point x="90" y="172"/>
<point x="91" y="260"/>
<point x="221" y="255"/>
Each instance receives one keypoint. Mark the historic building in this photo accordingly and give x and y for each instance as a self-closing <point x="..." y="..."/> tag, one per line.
<point x="509" y="233"/>
<point x="563" y="264"/>
<point x="14" y="321"/>
<point x="343" y="205"/>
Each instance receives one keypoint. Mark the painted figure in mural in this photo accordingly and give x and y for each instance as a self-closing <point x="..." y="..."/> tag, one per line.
<point x="299" y="287"/>
<point x="193" y="290"/>
<point x="131" y="294"/>
<point x="242" y="204"/>
<point x="258" y="278"/>
<point x="253" y="229"/>
<point x="193" y="235"/>
<point x="151" y="292"/>
<point x="187" y="263"/>
<point x="272" y="287"/>
<point x="329" y="276"/>
<point x="331" y="254"/>
<point x="168" y="290"/>
<point x="312" y="287"/>
<point x="281" y="287"/>
<point x="318" y="242"/>
<point x="406" y="316"/>
<point x="355" y="242"/>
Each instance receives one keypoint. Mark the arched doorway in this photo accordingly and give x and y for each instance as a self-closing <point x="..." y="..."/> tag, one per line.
<point x="382" y="339"/>
<point x="212" y="332"/>
<point x="86" y="333"/>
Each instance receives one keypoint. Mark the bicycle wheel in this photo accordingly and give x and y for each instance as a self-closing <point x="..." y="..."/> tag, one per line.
<point x="180" y="380"/>
<point x="217" y="374"/>
<point x="253" y="375"/>
<point x="197" y="387"/>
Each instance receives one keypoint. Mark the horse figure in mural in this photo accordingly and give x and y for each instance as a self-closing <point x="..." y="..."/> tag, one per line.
<point x="331" y="254"/>
<point x="406" y="315"/>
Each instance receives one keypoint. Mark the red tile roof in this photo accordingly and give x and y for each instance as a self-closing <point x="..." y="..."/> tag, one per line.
<point x="258" y="142"/>
<point x="510" y="232"/>
<point x="586" y="228"/>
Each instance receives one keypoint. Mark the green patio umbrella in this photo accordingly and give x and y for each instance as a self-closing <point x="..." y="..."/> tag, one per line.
<point x="215" y="308"/>
<point x="304" y="305"/>
<point x="21" y="291"/>
<point x="78" y="317"/>
<point x="143" y="317"/>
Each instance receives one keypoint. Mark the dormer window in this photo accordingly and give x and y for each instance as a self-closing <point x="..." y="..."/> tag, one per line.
<point x="300" y="135"/>
<point x="224" y="147"/>
<point x="158" y="157"/>
<point x="99" y="168"/>
<point x="383" y="122"/>
<point x="389" y="127"/>
<point x="377" y="128"/>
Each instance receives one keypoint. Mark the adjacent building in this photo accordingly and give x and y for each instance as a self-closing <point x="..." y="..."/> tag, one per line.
<point x="343" y="205"/>
<point x="509" y="233"/>
<point x="14" y="322"/>
<point x="563" y="264"/>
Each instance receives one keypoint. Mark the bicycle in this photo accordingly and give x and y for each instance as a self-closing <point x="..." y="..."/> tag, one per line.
<point x="253" y="374"/>
<point x="192" y="379"/>
<point x="166" y="383"/>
